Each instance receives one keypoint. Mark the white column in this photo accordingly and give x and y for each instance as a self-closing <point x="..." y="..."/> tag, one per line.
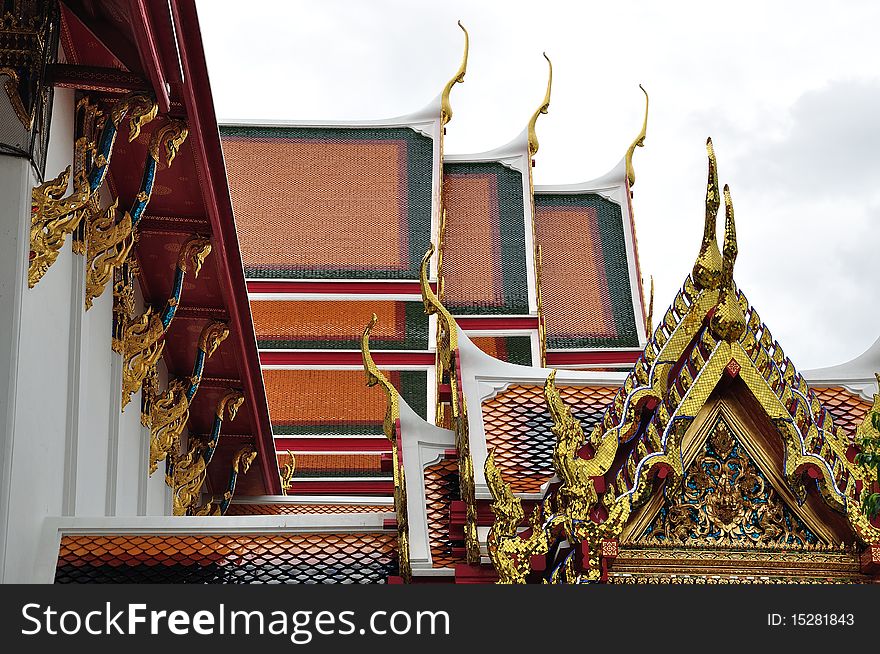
<point x="15" y="178"/>
<point x="35" y="326"/>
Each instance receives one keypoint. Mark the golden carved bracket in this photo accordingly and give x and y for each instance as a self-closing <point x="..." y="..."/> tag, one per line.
<point x="447" y="353"/>
<point x="511" y="554"/>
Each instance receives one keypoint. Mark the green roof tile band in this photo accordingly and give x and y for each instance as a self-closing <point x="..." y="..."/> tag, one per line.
<point x="416" y="337"/>
<point x="610" y="222"/>
<point x="413" y="389"/>
<point x="419" y="173"/>
<point x="511" y="236"/>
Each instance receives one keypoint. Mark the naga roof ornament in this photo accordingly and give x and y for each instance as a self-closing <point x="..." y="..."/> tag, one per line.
<point x="545" y="106"/>
<point x="707" y="269"/>
<point x="638" y="142"/>
<point x="391" y="426"/>
<point x="728" y="321"/>
<point x="445" y="106"/>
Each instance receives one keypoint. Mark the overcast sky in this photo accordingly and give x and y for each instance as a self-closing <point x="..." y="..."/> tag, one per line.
<point x="788" y="91"/>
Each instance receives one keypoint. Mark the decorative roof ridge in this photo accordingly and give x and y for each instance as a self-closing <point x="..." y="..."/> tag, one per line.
<point x="353" y="500"/>
<point x="614" y="178"/>
<point x="438" y="110"/>
<point x="858" y="371"/>
<point x="620" y="172"/>
<point x="513" y="154"/>
<point x="478" y="364"/>
<point x="427" y="115"/>
<point x="638" y="142"/>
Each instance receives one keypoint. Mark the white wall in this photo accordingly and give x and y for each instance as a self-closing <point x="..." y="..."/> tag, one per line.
<point x="65" y="448"/>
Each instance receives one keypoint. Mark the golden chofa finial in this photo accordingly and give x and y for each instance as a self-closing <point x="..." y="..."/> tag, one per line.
<point x="728" y="321"/>
<point x="639" y="142"/>
<point x="707" y="269"/>
<point x="375" y="376"/>
<point x="533" y="137"/>
<point x="445" y="106"/>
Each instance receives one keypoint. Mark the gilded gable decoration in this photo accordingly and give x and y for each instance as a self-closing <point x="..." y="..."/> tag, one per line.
<point x="448" y="372"/>
<point x="391" y="428"/>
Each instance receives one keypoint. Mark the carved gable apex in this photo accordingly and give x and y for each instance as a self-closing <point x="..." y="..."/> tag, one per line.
<point x="733" y="493"/>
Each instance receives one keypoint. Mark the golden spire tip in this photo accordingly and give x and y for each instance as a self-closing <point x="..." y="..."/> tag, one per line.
<point x="545" y="106"/>
<point x="445" y="105"/>
<point x="638" y="142"/>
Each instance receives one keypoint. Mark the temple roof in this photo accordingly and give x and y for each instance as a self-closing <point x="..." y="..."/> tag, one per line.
<point x="322" y="202"/>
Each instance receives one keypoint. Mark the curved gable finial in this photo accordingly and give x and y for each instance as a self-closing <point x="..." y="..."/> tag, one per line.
<point x="545" y="105"/>
<point x="707" y="268"/>
<point x="638" y="142"/>
<point x="445" y="106"/>
<point x="728" y="321"/>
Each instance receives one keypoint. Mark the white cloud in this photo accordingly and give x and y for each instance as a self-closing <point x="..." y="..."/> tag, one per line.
<point x="789" y="92"/>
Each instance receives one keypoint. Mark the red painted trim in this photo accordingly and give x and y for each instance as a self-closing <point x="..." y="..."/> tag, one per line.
<point x="205" y="140"/>
<point x="95" y="78"/>
<point x="304" y="487"/>
<point x="475" y="574"/>
<point x="112" y="40"/>
<point x="332" y="444"/>
<point x="484" y="323"/>
<point x="335" y="288"/>
<point x="148" y="48"/>
<point x="332" y="358"/>
<point x="603" y="357"/>
<point x="632" y="225"/>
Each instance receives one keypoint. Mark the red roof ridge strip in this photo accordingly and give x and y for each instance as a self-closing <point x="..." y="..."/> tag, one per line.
<point x="205" y="139"/>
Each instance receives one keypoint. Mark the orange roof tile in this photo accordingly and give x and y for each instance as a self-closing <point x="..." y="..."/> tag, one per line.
<point x="847" y="409"/>
<point x="330" y="202"/>
<point x="303" y="203"/>
<point x="484" y="258"/>
<point x="583" y="235"/>
<point x="338" y="323"/>
<point x="334" y="401"/>
<point x="441" y="487"/>
<point x="309" y="509"/>
<point x="513" y="349"/>
<point x="322" y="396"/>
<point x="336" y="465"/>
<point x="239" y="558"/>
<point x="471" y="247"/>
<point x="518" y="426"/>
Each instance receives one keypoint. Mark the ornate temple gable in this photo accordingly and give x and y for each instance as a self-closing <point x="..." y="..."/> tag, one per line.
<point x="716" y="415"/>
<point x="733" y="492"/>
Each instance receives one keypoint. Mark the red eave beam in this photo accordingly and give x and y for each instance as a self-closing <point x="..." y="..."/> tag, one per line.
<point x="392" y="287"/>
<point x="304" y="487"/>
<point x="337" y="358"/>
<point x="148" y="48"/>
<point x="597" y="357"/>
<point x="94" y="78"/>
<point x="331" y="444"/>
<point x="500" y="323"/>
<point x="205" y="140"/>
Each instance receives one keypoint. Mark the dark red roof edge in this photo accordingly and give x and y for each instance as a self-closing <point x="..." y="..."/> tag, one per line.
<point x="205" y="139"/>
